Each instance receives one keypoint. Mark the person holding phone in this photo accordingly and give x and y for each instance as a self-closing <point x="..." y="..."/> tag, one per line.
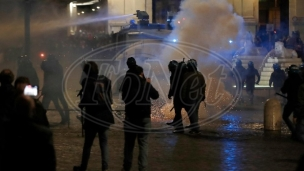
<point x="39" y="117"/>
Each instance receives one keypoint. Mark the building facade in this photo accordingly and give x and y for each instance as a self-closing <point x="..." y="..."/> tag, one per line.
<point x="283" y="15"/>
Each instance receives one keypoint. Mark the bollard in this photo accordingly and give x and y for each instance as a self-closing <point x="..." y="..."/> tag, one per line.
<point x="272" y="115"/>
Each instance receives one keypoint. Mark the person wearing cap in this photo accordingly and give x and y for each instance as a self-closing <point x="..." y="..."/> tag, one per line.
<point x="250" y="80"/>
<point x="277" y="78"/>
<point x="291" y="87"/>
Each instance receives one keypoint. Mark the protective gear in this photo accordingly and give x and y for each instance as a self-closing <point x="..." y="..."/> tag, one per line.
<point x="172" y="65"/>
<point x="131" y="62"/>
<point x="301" y="67"/>
<point x="293" y="69"/>
<point x="276" y="66"/>
<point x="250" y="64"/>
<point x="238" y="62"/>
<point x="192" y="64"/>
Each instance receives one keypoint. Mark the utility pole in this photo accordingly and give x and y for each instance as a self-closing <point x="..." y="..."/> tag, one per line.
<point x="27" y="28"/>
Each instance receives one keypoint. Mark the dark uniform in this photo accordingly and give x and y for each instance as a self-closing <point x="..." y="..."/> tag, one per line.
<point x="277" y="78"/>
<point x="291" y="87"/>
<point x="177" y="70"/>
<point x="249" y="76"/>
<point x="193" y="92"/>
<point x="52" y="87"/>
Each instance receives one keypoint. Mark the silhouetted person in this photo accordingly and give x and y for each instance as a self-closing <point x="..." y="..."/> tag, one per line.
<point x="7" y="94"/>
<point x="193" y="92"/>
<point x="291" y="87"/>
<point x="39" y="116"/>
<point x="26" y="69"/>
<point x="138" y="121"/>
<point x="97" y="114"/>
<point x="53" y="87"/>
<point x="129" y="79"/>
<point x="28" y="146"/>
<point x="238" y="75"/>
<point x="277" y="78"/>
<point x="176" y="79"/>
<point x="250" y="80"/>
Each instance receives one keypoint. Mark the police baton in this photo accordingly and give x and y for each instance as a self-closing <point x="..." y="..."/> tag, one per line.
<point x="281" y="95"/>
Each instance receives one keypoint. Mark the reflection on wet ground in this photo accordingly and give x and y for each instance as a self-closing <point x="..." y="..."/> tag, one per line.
<point x="235" y="142"/>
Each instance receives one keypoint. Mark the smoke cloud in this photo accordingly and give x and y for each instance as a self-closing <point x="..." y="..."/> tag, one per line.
<point x="212" y="26"/>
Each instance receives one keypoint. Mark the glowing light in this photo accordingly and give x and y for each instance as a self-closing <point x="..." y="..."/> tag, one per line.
<point x="82" y="12"/>
<point x="174" y="40"/>
<point x="42" y="55"/>
<point x="178" y="22"/>
<point x="97" y="7"/>
<point x="78" y="13"/>
<point x="230" y="41"/>
<point x="93" y="9"/>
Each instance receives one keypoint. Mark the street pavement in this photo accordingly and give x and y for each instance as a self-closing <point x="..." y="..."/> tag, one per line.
<point x="234" y="142"/>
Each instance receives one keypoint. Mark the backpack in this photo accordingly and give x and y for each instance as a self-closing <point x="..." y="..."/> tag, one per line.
<point x="176" y="78"/>
<point x="103" y="92"/>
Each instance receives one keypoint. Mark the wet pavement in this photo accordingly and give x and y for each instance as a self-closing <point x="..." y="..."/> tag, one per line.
<point x="234" y="142"/>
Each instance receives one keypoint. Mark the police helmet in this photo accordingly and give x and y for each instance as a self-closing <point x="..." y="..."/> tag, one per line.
<point x="131" y="62"/>
<point x="250" y="64"/>
<point x="301" y="67"/>
<point x="172" y="65"/>
<point x="192" y="64"/>
<point x="293" y="69"/>
<point x="238" y="62"/>
<point x="276" y="66"/>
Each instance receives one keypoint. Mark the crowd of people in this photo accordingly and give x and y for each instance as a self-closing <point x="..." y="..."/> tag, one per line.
<point x="24" y="117"/>
<point x="289" y="82"/>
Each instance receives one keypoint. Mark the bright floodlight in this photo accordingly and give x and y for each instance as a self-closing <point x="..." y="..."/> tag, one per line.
<point x="82" y="12"/>
<point x="93" y="9"/>
<point x="174" y="40"/>
<point x="230" y="41"/>
<point x="97" y="7"/>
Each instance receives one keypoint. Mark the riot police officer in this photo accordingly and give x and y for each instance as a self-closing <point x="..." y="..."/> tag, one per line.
<point x="193" y="92"/>
<point x="177" y="70"/>
<point x="291" y="87"/>
<point x="53" y="87"/>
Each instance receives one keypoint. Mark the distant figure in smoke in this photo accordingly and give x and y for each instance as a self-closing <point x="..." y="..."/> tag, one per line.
<point x="250" y="75"/>
<point x="52" y="88"/>
<point x="177" y="72"/>
<point x="291" y="87"/>
<point x="239" y="78"/>
<point x="26" y="69"/>
<point x="277" y="78"/>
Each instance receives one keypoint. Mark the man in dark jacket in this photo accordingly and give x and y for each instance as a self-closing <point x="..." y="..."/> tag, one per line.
<point x="53" y="87"/>
<point x="138" y="121"/>
<point x="291" y="87"/>
<point x="238" y="76"/>
<point x="277" y="78"/>
<point x="97" y="114"/>
<point x="250" y="75"/>
<point x="193" y="92"/>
